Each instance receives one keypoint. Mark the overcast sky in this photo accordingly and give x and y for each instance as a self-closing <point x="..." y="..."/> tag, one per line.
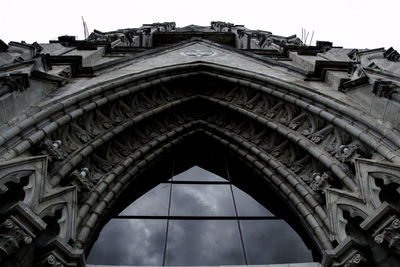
<point x="196" y="242"/>
<point x="347" y="23"/>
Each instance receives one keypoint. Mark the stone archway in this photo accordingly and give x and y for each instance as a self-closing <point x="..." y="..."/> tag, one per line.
<point x="75" y="157"/>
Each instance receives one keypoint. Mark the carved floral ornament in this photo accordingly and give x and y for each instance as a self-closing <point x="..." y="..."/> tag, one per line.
<point x="94" y="155"/>
<point x="198" y="53"/>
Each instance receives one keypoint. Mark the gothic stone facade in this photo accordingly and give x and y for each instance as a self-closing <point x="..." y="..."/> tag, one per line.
<point x="80" y="120"/>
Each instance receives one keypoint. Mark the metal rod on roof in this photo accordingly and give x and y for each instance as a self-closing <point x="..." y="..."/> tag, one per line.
<point x="312" y="37"/>
<point x="305" y="41"/>
<point x="85" y="29"/>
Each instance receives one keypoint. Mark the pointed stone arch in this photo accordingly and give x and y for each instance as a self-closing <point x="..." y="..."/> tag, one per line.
<point x="302" y="142"/>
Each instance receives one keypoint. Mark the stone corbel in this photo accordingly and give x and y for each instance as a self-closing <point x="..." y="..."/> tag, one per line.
<point x="18" y="230"/>
<point x="51" y="261"/>
<point x="390" y="234"/>
<point x="13" y="235"/>
<point x="346" y="254"/>
<point x="357" y="259"/>
<point x="385" y="88"/>
<point x="359" y="77"/>
<point x="58" y="254"/>
<point x="392" y="55"/>
<point x="14" y="82"/>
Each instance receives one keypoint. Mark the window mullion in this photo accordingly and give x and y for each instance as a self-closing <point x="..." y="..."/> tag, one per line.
<point x="169" y="212"/>
<point x="236" y="213"/>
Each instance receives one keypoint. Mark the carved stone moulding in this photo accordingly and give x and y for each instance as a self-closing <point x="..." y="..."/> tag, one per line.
<point x="237" y="138"/>
<point x="272" y="111"/>
<point x="23" y="221"/>
<point x="57" y="254"/>
<point x="380" y="223"/>
<point x="348" y="254"/>
<point x="19" y="228"/>
<point x="288" y="100"/>
<point x="384" y="228"/>
<point x="39" y="196"/>
<point x="22" y="228"/>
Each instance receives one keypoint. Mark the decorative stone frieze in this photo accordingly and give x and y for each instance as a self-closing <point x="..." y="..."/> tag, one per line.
<point x="13" y="235"/>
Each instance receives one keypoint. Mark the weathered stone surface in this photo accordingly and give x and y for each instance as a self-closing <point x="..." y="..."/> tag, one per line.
<point x="80" y="119"/>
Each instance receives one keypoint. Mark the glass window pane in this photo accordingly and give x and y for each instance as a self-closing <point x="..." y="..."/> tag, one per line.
<point x="154" y="202"/>
<point x="206" y="242"/>
<point x="265" y="242"/>
<point x="248" y="206"/>
<point x="201" y="200"/>
<point x="198" y="174"/>
<point x="130" y="242"/>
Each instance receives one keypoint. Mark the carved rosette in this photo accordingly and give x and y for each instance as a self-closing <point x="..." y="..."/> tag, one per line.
<point x="51" y="261"/>
<point x="356" y="261"/>
<point x="13" y="235"/>
<point x="198" y="53"/>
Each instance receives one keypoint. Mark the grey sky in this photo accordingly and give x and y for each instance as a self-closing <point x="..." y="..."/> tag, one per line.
<point x="348" y="23"/>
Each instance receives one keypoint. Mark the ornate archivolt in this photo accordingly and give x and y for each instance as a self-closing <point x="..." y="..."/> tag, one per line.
<point x="308" y="147"/>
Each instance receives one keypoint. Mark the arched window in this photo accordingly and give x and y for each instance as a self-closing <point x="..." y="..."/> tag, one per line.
<point x="197" y="217"/>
